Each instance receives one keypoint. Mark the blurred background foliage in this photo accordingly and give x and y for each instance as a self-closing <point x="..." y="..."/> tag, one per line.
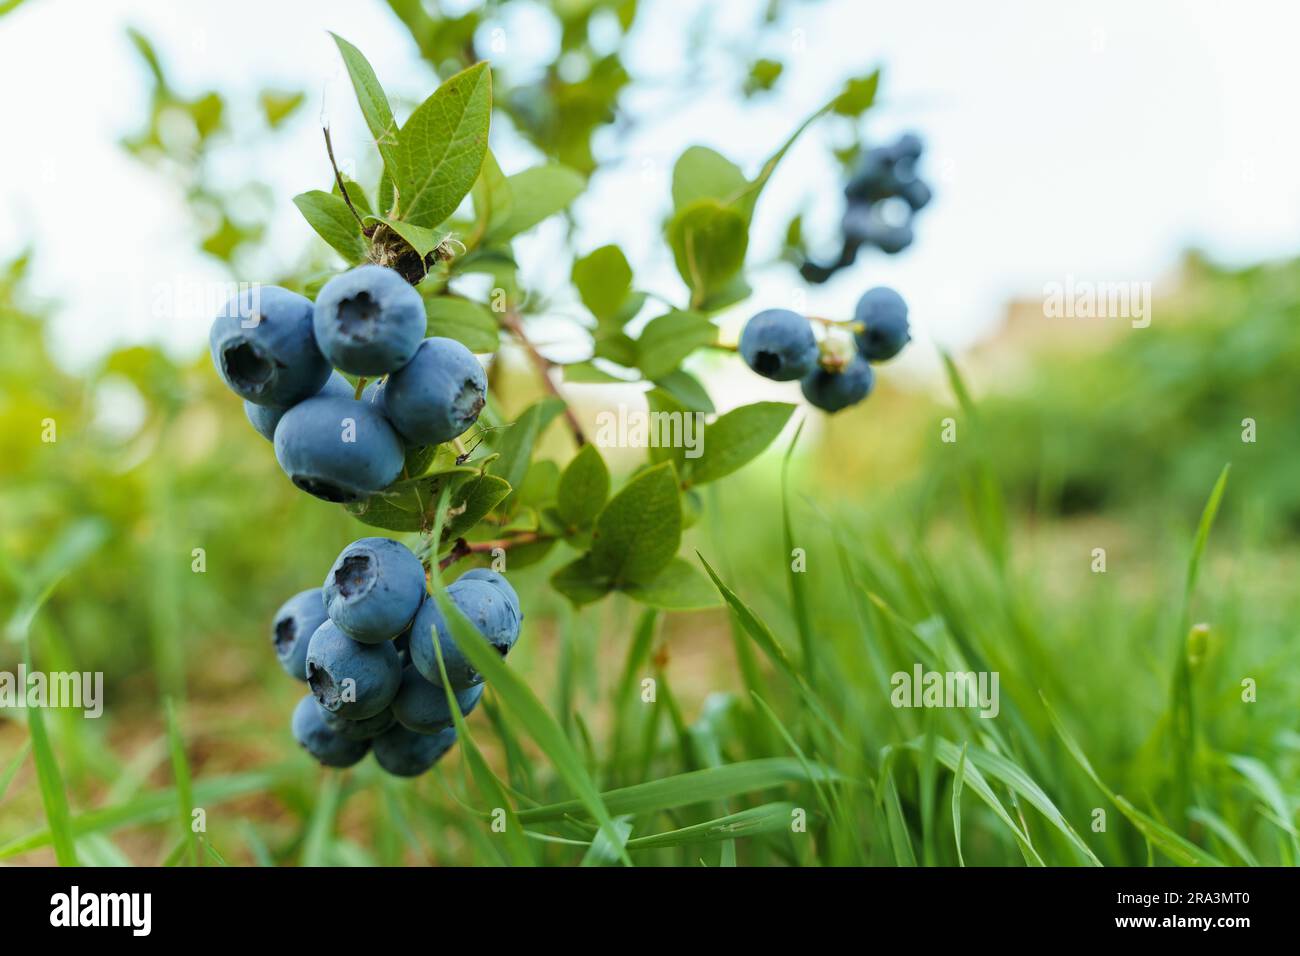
<point x="971" y="554"/>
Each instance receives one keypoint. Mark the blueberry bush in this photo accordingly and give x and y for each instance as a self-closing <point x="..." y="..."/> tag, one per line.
<point x="374" y="520"/>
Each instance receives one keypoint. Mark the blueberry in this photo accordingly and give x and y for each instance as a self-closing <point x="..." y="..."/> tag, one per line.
<point x="882" y="313"/>
<point x="832" y="391"/>
<point x="916" y="193"/>
<point x="487" y="607"/>
<point x="438" y="395"/>
<point x="369" y="320"/>
<point x="374" y="589"/>
<point x="367" y="728"/>
<point x="779" y="344"/>
<point x="350" y="679"/>
<point x="316" y="737"/>
<point x="907" y="146"/>
<point x="422" y="707"/>
<point x="338" y="449"/>
<point x="487" y="574"/>
<point x="874" y="178"/>
<point x="264" y="418"/>
<point x="404" y="753"/>
<point x="263" y="347"/>
<point x="888" y="238"/>
<point x="294" y="624"/>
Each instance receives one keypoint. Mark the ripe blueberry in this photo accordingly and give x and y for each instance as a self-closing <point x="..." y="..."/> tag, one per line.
<point x="374" y="589"/>
<point x="422" y="707"/>
<point x="367" y="728"/>
<point x="316" y="737"/>
<point x="882" y="313"/>
<point x="438" y="395"/>
<point x="779" y="344"/>
<point x="487" y="607"/>
<point x="916" y="193"/>
<point x="338" y="449"/>
<point x="487" y="574"/>
<point x="263" y="347"/>
<point x="350" y="679"/>
<point x="404" y="753"/>
<point x="264" y="418"/>
<point x="369" y="320"/>
<point x="291" y="631"/>
<point x="832" y="391"/>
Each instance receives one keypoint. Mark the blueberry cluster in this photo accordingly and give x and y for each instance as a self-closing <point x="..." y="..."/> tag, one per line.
<point x="363" y="643"/>
<point x="278" y="351"/>
<point x="780" y="345"/>
<point x="884" y="195"/>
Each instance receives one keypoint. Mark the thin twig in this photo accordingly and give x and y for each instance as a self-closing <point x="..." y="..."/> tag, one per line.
<point x="544" y="365"/>
<point x="463" y="548"/>
<point x="338" y="177"/>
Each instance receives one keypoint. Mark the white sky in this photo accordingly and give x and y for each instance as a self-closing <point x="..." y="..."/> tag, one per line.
<point x="1093" y="140"/>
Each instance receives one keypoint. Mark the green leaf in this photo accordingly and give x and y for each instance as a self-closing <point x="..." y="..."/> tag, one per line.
<point x="703" y="173"/>
<point x="736" y="438"/>
<point x="769" y="818"/>
<point x="358" y="196"/>
<point x="372" y="100"/>
<point x="638" y="532"/>
<point x="473" y="501"/>
<point x="50" y="782"/>
<point x="279" y="105"/>
<point x="858" y="95"/>
<point x="709" y="241"/>
<point x="440" y="149"/>
<point x="678" y="587"/>
<point x="469" y="323"/>
<point x="516" y="443"/>
<point x="585" y="373"/>
<point x="408" y="505"/>
<point x="584" y="487"/>
<point x="184" y="787"/>
<point x="333" y="221"/>
<point x="697" y="786"/>
<point x="604" y="280"/>
<point x="668" y="339"/>
<point x="686" y="388"/>
<point x="419" y="238"/>
<point x="536" y="194"/>
<point x="581" y="581"/>
<point x="491" y="194"/>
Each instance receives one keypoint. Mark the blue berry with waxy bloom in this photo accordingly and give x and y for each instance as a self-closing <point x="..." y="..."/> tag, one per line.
<point x="494" y="577"/>
<point x="882" y="315"/>
<point x="834" y="390"/>
<point x="369" y="320"/>
<point x="264" y="418"/>
<point x="318" y="739"/>
<point x="438" y="395"/>
<point x="373" y="589"/>
<point x="422" y="706"/>
<point x="263" y="347"/>
<point x="404" y="753"/>
<point x="338" y="449"/>
<point x="351" y="679"/>
<point x="779" y="344"/>
<point x="916" y="193"/>
<point x="486" y="606"/>
<point x="292" y="629"/>
<point x="367" y="728"/>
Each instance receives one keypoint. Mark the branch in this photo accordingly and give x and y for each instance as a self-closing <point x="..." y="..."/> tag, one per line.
<point x="463" y="548"/>
<point x="338" y="178"/>
<point x="544" y="365"/>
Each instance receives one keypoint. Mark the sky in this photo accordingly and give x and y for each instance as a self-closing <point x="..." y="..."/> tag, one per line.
<point x="1091" y="141"/>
